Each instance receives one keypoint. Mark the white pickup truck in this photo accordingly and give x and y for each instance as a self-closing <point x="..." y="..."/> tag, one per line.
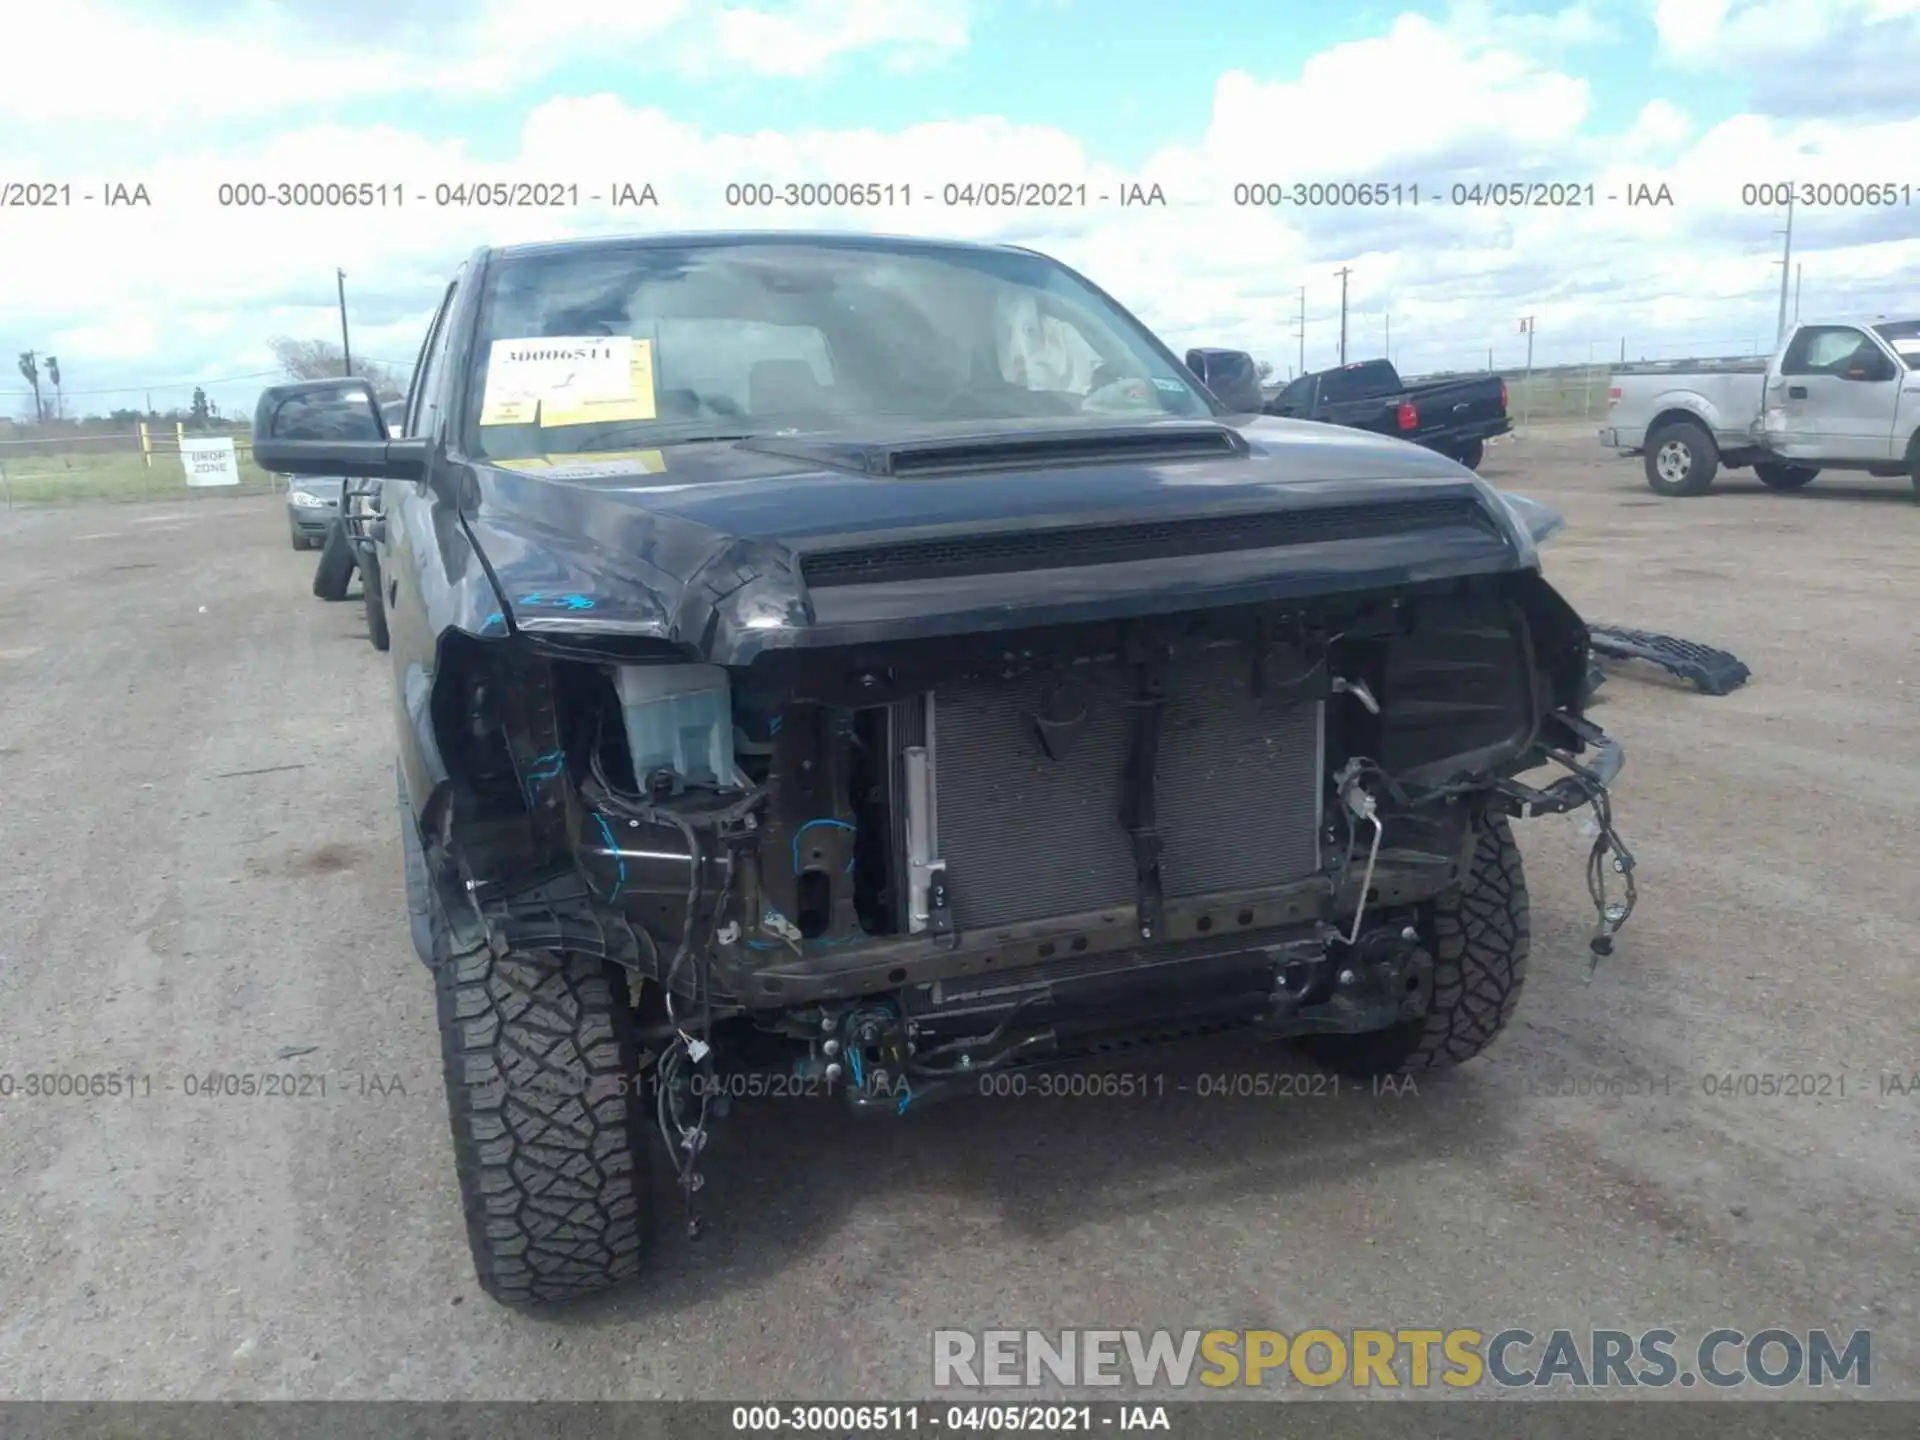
<point x="1835" y="396"/>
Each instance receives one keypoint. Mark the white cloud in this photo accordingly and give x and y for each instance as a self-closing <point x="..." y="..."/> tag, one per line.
<point x="126" y="336"/>
<point x="191" y="286"/>
<point x="809" y="34"/>
<point x="1576" y="24"/>
<point x="1732" y="33"/>
<point x="1659" y="128"/>
<point x="152" y="69"/>
<point x="1418" y="93"/>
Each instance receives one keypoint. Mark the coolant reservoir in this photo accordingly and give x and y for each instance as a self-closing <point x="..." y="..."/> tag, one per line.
<point x="679" y="718"/>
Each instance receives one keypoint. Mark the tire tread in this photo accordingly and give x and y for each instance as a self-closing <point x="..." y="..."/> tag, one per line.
<point x="541" y="1067"/>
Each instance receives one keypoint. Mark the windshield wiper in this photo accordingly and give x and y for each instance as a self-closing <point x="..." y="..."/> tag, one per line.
<point x="620" y="439"/>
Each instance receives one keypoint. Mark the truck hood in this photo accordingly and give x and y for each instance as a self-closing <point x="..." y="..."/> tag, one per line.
<point x="729" y="549"/>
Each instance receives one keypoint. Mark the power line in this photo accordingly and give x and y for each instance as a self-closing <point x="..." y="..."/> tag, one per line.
<point x="159" y="385"/>
<point x="406" y="365"/>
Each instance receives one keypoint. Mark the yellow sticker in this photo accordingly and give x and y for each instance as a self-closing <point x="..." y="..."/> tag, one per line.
<point x="590" y="464"/>
<point x="636" y="404"/>
<point x="568" y="380"/>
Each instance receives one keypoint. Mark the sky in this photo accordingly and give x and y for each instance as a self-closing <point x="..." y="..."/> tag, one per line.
<point x="170" y="100"/>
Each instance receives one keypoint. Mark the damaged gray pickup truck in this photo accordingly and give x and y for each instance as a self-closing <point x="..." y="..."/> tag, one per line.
<point x="870" y="665"/>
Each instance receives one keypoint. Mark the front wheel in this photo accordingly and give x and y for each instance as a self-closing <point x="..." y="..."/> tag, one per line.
<point x="1480" y="934"/>
<point x="1776" y="476"/>
<point x="1681" y="459"/>
<point x="374" y="600"/>
<point x="544" y="1092"/>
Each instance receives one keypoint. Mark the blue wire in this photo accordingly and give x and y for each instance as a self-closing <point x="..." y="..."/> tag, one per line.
<point x="618" y="859"/>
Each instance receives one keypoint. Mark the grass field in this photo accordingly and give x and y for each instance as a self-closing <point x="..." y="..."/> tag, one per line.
<point x="1553" y="397"/>
<point x="76" y="478"/>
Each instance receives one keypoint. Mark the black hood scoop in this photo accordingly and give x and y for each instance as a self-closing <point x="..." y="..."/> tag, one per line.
<point x="1022" y="450"/>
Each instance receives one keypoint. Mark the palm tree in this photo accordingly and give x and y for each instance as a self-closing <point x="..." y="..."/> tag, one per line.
<point x="31" y="369"/>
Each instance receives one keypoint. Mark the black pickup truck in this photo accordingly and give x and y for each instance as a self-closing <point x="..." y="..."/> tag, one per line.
<point x="1455" y="417"/>
<point x="799" y="691"/>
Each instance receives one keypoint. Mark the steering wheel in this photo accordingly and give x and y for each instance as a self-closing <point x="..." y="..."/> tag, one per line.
<point x="967" y="403"/>
<point x="1122" y="396"/>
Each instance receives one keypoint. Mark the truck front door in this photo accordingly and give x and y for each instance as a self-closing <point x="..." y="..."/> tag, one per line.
<point x="1832" y="397"/>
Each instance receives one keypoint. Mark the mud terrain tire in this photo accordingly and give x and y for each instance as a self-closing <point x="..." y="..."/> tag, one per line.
<point x="1480" y="934"/>
<point x="549" y="1125"/>
<point x="335" y="568"/>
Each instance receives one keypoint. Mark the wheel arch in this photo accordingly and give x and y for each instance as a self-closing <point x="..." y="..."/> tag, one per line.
<point x="1681" y="415"/>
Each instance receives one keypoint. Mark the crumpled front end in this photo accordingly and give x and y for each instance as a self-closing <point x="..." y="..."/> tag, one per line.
<point x="1217" y="812"/>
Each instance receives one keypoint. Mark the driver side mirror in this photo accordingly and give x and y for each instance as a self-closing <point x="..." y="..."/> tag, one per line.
<point x="1231" y="375"/>
<point x="331" y="427"/>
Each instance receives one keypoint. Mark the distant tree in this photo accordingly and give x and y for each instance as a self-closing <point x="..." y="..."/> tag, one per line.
<point x="59" y="400"/>
<point x="200" y="413"/>
<point x="30" y="368"/>
<point x="322" y="360"/>
<point x="1264" y="369"/>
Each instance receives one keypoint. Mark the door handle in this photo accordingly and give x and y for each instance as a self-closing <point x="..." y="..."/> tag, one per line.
<point x="1796" y="392"/>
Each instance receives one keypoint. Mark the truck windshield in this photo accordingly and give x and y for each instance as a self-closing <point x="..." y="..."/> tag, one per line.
<point x="1903" y="336"/>
<point x="1368" y="380"/>
<point x="595" y="349"/>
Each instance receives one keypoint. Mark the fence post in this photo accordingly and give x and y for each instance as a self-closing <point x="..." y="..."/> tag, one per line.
<point x="146" y="446"/>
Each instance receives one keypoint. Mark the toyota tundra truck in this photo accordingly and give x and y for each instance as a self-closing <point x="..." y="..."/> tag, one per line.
<point x="879" y="665"/>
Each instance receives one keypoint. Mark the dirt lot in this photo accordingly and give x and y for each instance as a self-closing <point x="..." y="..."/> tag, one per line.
<point x="201" y="873"/>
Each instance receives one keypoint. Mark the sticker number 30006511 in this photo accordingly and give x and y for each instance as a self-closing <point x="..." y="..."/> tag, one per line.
<point x="569" y="380"/>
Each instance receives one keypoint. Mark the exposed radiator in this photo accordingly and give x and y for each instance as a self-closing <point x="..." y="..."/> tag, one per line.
<point x="1025" y="836"/>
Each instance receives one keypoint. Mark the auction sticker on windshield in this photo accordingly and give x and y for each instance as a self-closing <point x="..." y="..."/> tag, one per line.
<point x="568" y="380"/>
<point x="593" y="465"/>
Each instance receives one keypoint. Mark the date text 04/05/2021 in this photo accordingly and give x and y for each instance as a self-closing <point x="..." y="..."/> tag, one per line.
<point x="128" y="1085"/>
<point x="462" y="194"/>
<point x="913" y="1419"/>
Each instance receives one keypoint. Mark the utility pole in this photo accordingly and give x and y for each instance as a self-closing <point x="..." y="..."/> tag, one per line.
<point x="346" y="355"/>
<point x="1345" y="270"/>
<point x="1797" y="277"/>
<point x="1389" y="320"/>
<point x="1786" y="268"/>
<point x="1302" y="332"/>
<point x="1526" y="404"/>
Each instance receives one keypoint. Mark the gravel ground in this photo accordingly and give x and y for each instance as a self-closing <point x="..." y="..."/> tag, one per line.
<point x="202" y="873"/>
